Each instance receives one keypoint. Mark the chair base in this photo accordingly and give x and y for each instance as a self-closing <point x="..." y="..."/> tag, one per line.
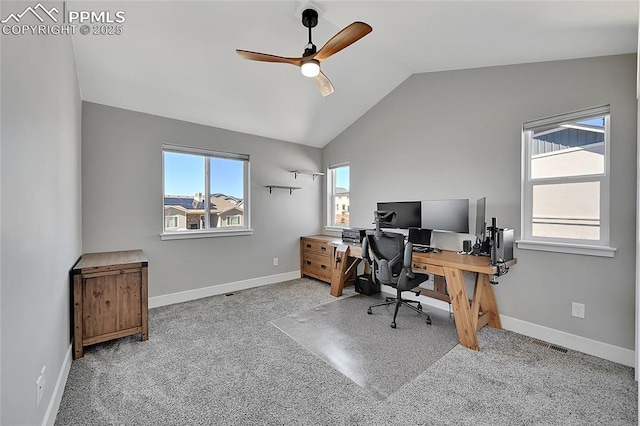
<point x="401" y="302"/>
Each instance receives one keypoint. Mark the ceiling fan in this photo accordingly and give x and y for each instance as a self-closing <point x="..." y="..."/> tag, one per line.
<point x="310" y="60"/>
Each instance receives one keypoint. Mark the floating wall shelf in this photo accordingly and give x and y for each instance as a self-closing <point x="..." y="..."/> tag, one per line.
<point x="290" y="188"/>
<point x="306" y="172"/>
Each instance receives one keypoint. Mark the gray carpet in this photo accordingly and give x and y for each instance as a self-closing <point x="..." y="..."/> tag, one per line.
<point x="220" y="361"/>
<point x="365" y="348"/>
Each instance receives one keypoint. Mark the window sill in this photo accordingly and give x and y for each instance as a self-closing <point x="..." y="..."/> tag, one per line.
<point x="584" y="249"/>
<point x="204" y="234"/>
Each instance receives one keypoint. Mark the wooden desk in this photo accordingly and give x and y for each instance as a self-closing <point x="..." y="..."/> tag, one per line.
<point x="470" y="314"/>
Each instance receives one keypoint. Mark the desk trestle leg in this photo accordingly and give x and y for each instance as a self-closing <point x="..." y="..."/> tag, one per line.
<point x="471" y="316"/>
<point x="465" y="324"/>
<point x="340" y="263"/>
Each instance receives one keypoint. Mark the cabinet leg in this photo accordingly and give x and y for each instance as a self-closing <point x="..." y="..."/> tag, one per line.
<point x="78" y="350"/>
<point x="144" y="296"/>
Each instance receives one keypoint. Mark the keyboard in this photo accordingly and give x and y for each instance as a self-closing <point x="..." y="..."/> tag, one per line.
<point x="422" y="249"/>
<point x="426" y="250"/>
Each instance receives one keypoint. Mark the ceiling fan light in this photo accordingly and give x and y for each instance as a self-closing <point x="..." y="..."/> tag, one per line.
<point x="310" y="68"/>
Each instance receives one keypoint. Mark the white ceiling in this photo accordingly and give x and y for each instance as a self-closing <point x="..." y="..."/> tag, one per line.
<point x="177" y="58"/>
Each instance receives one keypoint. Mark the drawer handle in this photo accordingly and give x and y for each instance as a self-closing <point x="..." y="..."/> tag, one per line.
<point x="419" y="267"/>
<point x="308" y="245"/>
<point x="323" y="266"/>
<point x="323" y="248"/>
<point x="308" y="262"/>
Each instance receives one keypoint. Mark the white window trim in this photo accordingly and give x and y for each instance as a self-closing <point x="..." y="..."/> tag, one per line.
<point x="184" y="235"/>
<point x="329" y="226"/>
<point x="528" y="242"/>
<point x="210" y="232"/>
<point x="557" y="247"/>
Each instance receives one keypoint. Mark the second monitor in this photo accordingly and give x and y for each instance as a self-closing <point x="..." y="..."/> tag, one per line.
<point x="446" y="215"/>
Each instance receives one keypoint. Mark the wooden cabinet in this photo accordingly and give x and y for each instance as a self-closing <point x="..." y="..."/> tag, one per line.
<point x="316" y="258"/>
<point x="110" y="298"/>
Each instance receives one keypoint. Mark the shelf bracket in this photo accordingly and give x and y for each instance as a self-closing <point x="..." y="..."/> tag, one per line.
<point x="305" y="172"/>
<point x="290" y="188"/>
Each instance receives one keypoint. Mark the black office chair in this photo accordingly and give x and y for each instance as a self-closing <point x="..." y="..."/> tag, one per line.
<point x="390" y="258"/>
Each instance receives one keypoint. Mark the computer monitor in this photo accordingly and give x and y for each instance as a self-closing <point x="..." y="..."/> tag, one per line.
<point x="481" y="222"/>
<point x="408" y="214"/>
<point x="420" y="237"/>
<point x="446" y="215"/>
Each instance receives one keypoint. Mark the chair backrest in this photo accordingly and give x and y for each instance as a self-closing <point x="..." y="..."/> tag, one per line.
<point x="388" y="251"/>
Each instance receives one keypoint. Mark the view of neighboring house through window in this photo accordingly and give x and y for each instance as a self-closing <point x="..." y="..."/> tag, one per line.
<point x="338" y="195"/>
<point x="566" y="179"/>
<point x="204" y="190"/>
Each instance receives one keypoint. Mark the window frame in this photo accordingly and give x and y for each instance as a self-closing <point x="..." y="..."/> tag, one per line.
<point x="174" y="217"/>
<point x="600" y="247"/>
<point x="208" y="231"/>
<point x="234" y="217"/>
<point x="331" y="196"/>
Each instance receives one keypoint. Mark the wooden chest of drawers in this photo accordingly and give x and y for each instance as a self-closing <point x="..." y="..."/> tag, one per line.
<point x="110" y="298"/>
<point x="316" y="258"/>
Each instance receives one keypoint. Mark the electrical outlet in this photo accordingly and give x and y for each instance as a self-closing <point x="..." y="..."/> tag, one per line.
<point x="577" y="310"/>
<point x="40" y="385"/>
<point x="275" y="261"/>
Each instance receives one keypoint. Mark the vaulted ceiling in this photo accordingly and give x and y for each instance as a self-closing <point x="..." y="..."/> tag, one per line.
<point x="177" y="58"/>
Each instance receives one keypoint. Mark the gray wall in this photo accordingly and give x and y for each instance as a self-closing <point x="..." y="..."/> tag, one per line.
<point x="457" y="134"/>
<point x="122" y="199"/>
<point x="41" y="222"/>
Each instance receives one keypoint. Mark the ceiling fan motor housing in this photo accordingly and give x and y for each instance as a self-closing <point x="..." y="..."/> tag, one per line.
<point x="310" y="49"/>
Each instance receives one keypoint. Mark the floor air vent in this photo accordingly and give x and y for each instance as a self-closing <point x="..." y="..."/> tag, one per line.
<point x="549" y="345"/>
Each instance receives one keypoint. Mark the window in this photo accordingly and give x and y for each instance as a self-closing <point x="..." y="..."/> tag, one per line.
<point x="234" y="220"/>
<point x="565" y="185"/>
<point x="205" y="193"/>
<point x="170" y="222"/>
<point x="338" y="195"/>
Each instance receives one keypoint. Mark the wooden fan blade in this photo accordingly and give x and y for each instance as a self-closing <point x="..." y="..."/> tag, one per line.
<point x="349" y="35"/>
<point x="265" y="57"/>
<point x="324" y="85"/>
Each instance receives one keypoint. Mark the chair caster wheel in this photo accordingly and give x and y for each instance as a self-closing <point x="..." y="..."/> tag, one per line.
<point x="428" y="321"/>
<point x="419" y="307"/>
<point x="393" y="325"/>
<point x="369" y="311"/>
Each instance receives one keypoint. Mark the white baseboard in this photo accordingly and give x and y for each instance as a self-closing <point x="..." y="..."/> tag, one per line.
<point x="570" y="341"/>
<point x="56" y="398"/>
<point x="566" y="340"/>
<point x="214" y="290"/>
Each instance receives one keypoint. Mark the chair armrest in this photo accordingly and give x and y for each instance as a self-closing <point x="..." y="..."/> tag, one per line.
<point x="408" y="254"/>
<point x="365" y="250"/>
